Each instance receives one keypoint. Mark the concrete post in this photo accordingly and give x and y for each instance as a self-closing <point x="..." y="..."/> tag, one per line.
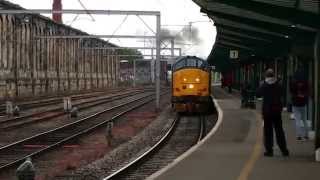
<point x="67" y="106"/>
<point x="15" y="62"/>
<point x="152" y="67"/>
<point x="46" y="62"/>
<point x="180" y="53"/>
<point x="172" y="48"/>
<point x="31" y="58"/>
<point x="9" y="108"/>
<point x="134" y="73"/>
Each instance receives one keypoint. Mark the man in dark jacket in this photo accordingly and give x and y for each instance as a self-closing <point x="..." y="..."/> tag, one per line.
<point x="271" y="92"/>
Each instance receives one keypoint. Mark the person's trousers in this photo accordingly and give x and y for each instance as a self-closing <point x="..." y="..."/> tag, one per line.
<point x="300" y="116"/>
<point x="273" y="121"/>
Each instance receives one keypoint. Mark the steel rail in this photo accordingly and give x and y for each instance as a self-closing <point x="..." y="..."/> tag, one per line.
<point x="55" y="100"/>
<point x="13" y="123"/>
<point x="202" y="127"/>
<point x="33" y="104"/>
<point x="155" y="148"/>
<point x="140" y="102"/>
<point x="59" y="108"/>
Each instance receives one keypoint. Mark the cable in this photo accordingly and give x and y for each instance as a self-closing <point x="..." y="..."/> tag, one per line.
<point x="151" y="29"/>
<point x="77" y="16"/>
<point x="84" y="7"/>
<point x="146" y="25"/>
<point x="74" y="19"/>
<point x="124" y="20"/>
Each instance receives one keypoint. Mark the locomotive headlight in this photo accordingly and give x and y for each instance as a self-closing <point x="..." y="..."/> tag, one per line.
<point x="190" y="86"/>
<point x="197" y="79"/>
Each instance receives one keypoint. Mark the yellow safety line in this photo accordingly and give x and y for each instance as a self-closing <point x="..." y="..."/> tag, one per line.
<point x="248" y="167"/>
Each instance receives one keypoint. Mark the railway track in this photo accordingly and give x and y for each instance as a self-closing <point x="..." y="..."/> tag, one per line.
<point x="183" y="134"/>
<point x="56" y="100"/>
<point x="15" y="153"/>
<point x="58" y="111"/>
<point x="49" y="101"/>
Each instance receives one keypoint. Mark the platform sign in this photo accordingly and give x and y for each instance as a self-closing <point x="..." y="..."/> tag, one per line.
<point x="234" y="54"/>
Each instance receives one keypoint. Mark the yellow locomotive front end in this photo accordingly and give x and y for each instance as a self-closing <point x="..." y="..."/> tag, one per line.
<point x="190" y="85"/>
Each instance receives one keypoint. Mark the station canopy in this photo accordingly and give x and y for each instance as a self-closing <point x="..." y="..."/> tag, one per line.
<point x="259" y="28"/>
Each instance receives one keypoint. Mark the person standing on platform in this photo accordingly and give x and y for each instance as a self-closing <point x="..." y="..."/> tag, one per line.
<point x="227" y="80"/>
<point x="299" y="89"/>
<point x="271" y="92"/>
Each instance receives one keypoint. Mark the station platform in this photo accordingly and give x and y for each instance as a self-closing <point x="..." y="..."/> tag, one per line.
<point x="234" y="150"/>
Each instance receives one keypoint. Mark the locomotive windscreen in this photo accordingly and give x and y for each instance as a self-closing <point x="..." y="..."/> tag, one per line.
<point x="187" y="62"/>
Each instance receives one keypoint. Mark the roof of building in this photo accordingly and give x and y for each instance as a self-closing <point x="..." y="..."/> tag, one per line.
<point x="259" y="27"/>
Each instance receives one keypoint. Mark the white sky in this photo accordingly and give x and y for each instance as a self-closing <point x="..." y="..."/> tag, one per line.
<point x="173" y="12"/>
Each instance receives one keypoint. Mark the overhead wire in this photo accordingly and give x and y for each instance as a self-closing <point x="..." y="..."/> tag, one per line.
<point x="77" y="16"/>
<point x="142" y="20"/>
<point x="119" y="26"/>
<point x="84" y="7"/>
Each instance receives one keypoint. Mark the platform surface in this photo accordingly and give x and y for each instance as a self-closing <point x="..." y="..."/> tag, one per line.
<point x="235" y="151"/>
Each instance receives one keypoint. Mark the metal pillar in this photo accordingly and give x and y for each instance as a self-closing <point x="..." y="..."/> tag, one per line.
<point x="172" y="48"/>
<point x="134" y="73"/>
<point x="152" y="67"/>
<point x="158" y="44"/>
<point x="316" y="90"/>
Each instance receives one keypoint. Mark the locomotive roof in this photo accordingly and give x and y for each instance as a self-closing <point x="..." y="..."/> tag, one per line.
<point x="188" y="57"/>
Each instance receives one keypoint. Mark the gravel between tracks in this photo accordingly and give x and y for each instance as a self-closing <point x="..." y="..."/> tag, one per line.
<point x="125" y="152"/>
<point x="81" y="152"/>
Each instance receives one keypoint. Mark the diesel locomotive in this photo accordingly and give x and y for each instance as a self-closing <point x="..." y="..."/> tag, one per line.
<point x="191" y="85"/>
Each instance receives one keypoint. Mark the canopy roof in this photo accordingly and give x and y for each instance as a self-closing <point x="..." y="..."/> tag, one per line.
<point x="259" y="27"/>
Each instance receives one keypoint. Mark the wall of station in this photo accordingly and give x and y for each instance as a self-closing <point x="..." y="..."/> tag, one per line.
<point x="32" y="63"/>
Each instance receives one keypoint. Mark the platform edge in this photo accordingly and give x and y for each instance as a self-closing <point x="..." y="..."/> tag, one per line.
<point x="195" y="147"/>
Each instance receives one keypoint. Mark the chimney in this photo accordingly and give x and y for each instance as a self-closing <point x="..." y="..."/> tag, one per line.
<point x="57" y="6"/>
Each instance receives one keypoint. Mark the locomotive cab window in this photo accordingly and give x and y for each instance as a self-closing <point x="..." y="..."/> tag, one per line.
<point x="190" y="62"/>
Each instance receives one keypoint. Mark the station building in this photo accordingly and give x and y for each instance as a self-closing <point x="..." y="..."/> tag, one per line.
<point x="255" y="35"/>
